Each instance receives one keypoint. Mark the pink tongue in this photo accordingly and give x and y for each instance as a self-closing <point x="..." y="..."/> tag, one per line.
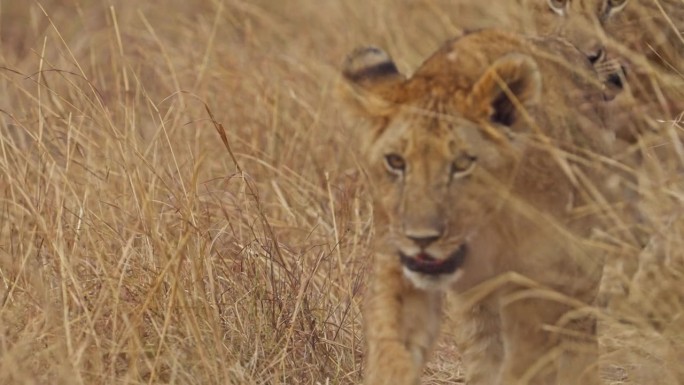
<point x="424" y="258"/>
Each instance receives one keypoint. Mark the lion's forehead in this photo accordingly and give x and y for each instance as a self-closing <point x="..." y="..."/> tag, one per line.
<point x="430" y="124"/>
<point x="429" y="133"/>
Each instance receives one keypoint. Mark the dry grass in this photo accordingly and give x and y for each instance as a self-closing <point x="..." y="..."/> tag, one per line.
<point x="135" y="247"/>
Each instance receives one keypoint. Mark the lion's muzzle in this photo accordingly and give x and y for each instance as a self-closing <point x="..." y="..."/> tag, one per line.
<point x="426" y="264"/>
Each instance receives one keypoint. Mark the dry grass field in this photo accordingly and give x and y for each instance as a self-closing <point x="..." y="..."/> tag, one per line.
<point x="181" y="200"/>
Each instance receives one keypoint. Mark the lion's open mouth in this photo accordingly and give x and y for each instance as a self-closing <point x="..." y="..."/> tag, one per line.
<point x="426" y="264"/>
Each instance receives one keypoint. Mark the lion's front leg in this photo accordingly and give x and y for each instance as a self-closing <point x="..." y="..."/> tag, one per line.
<point x="401" y="325"/>
<point x="478" y="335"/>
<point x="529" y="354"/>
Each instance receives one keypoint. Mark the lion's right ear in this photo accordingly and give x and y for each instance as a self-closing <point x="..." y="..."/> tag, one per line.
<point x="372" y="81"/>
<point x="509" y="84"/>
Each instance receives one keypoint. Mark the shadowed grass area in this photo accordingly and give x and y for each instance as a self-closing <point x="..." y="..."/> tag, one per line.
<point x="137" y="247"/>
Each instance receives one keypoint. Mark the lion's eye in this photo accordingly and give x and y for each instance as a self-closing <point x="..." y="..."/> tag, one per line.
<point x="558" y="6"/>
<point x="395" y="163"/>
<point x="463" y="164"/>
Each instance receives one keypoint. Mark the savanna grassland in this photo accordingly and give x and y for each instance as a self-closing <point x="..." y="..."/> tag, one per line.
<point x="181" y="200"/>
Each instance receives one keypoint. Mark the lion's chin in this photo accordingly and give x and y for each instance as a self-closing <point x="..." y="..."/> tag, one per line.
<point x="430" y="282"/>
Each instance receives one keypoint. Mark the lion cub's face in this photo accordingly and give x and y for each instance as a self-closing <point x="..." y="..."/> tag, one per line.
<point x="580" y="21"/>
<point x="583" y="23"/>
<point x="440" y="152"/>
<point x="429" y="168"/>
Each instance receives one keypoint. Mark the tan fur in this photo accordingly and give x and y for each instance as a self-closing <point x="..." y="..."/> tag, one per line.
<point x="645" y="39"/>
<point x="521" y="201"/>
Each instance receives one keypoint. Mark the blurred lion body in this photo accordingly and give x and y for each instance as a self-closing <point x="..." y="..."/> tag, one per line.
<point x="473" y="166"/>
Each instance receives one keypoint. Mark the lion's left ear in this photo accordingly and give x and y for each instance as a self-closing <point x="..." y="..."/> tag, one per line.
<point x="510" y="84"/>
<point x="373" y="81"/>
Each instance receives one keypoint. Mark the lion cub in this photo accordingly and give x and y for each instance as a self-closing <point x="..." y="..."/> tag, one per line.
<point x="639" y="41"/>
<point x="485" y="172"/>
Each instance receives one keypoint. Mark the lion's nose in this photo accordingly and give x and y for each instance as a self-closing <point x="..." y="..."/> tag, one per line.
<point x="424" y="240"/>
